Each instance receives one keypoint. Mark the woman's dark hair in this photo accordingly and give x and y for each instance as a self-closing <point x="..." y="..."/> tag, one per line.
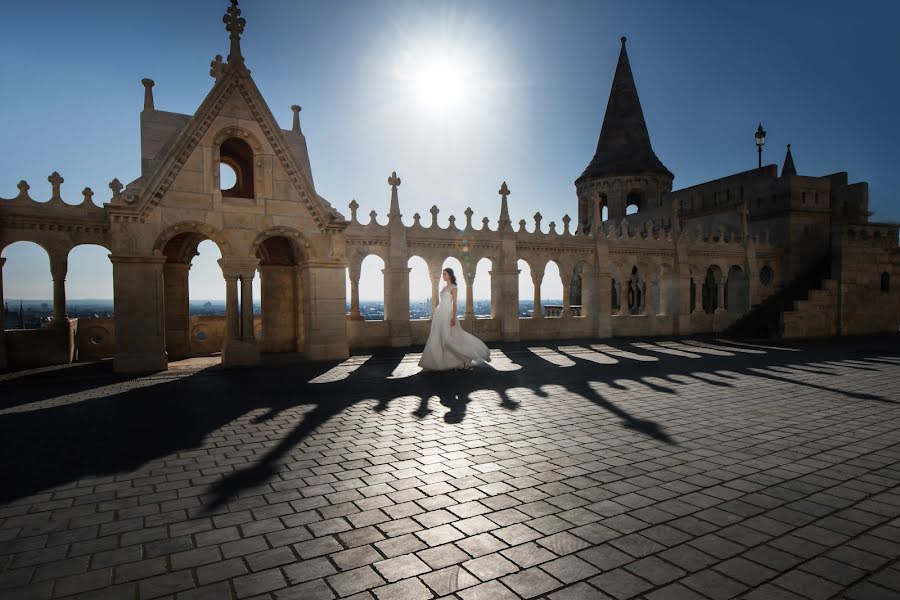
<point x="449" y="272"/>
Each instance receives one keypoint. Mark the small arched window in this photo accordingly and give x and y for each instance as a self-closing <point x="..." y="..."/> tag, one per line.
<point x="765" y="276"/>
<point x="237" y="154"/>
<point x="885" y="282"/>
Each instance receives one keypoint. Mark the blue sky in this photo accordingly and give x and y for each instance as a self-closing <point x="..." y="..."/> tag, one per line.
<point x="819" y="75"/>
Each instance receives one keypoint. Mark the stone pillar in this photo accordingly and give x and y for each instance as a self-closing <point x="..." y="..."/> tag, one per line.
<point x="536" y="278"/>
<point x="324" y="311"/>
<point x="355" y="315"/>
<point x="664" y="283"/>
<point x="643" y="287"/>
<point x="470" y="297"/>
<point x="247" y="329"/>
<point x="603" y="307"/>
<point x="720" y="294"/>
<point x="2" y="319"/>
<point x="623" y="302"/>
<point x="58" y="267"/>
<point x="698" y="297"/>
<point x="240" y="348"/>
<point x="567" y="298"/>
<point x="435" y="273"/>
<point x="232" y="320"/>
<point x="396" y="304"/>
<point x="279" y="311"/>
<point x="177" y="310"/>
<point x="139" y="299"/>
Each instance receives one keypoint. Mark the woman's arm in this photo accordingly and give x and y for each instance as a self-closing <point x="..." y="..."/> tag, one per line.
<point x="453" y="316"/>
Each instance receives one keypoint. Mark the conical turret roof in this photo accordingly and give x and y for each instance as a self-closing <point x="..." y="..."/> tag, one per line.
<point x="624" y="146"/>
<point x="788" y="168"/>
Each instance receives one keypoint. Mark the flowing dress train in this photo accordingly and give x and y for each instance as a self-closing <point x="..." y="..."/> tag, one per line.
<point x="449" y="346"/>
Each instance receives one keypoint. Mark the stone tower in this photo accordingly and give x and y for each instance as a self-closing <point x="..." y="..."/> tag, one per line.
<point x="624" y="170"/>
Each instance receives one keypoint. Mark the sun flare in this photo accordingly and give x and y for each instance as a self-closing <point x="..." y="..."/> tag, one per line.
<point x="441" y="85"/>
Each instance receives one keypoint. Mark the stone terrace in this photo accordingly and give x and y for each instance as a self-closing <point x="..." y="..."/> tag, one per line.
<point x="652" y="469"/>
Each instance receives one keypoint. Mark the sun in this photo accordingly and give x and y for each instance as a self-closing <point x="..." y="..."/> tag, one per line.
<point x="441" y="85"/>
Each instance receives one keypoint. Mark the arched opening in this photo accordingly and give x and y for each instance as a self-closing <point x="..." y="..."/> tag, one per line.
<point x="636" y="292"/>
<point x="419" y="289"/>
<point x="481" y="288"/>
<point x="27" y="286"/>
<point x="711" y="285"/>
<point x="237" y="154"/>
<point x="227" y="176"/>
<point x="633" y="203"/>
<point x="552" y="290"/>
<point x="737" y="291"/>
<point x="280" y="295"/>
<point x="453" y="263"/>
<point x="526" y="289"/>
<point x="604" y="207"/>
<point x="371" y="288"/>
<point x="194" y="296"/>
<point x="765" y="276"/>
<point x="885" y="282"/>
<point x="89" y="298"/>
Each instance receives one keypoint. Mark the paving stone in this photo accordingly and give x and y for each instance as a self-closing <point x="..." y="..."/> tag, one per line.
<point x="355" y="580"/>
<point x="620" y="584"/>
<point x="531" y="582"/>
<point x="490" y="566"/>
<point x="528" y="555"/>
<point x="492" y="590"/>
<point x="655" y="570"/>
<point x="401" y="567"/>
<point x="580" y="591"/>
<point x="569" y="569"/>
<point x="307" y="570"/>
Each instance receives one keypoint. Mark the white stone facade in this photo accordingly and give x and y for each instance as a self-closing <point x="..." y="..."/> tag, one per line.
<point x="690" y="261"/>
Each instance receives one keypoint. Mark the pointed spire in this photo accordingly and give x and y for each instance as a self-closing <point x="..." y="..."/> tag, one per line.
<point x="394" y="182"/>
<point x="624" y="145"/>
<point x="505" y="224"/>
<point x="234" y="25"/>
<point x="788" y="168"/>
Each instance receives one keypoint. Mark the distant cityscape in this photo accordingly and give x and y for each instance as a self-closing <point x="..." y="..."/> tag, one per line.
<point x="34" y="314"/>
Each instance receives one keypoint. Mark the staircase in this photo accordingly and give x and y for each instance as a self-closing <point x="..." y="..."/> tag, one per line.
<point x="805" y="307"/>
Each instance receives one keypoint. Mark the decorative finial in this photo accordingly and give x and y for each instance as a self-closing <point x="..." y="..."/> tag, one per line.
<point x="116" y="186"/>
<point x="88" y="194"/>
<point x="354" y="205"/>
<point x="148" y="93"/>
<point x="505" y="223"/>
<point x="393" y="180"/>
<point x="296" y="125"/>
<point x="55" y="181"/>
<point x="623" y="39"/>
<point x="216" y="67"/>
<point x="23" y="190"/>
<point x="234" y="25"/>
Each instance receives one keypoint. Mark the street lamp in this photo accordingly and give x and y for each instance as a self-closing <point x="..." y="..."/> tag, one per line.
<point x="760" y="140"/>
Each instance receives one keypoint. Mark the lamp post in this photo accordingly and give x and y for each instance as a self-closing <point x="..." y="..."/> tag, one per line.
<point x="760" y="140"/>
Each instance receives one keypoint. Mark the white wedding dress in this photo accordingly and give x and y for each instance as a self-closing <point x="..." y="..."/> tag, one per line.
<point x="450" y="347"/>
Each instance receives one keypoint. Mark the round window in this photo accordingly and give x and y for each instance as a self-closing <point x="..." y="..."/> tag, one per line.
<point x="97" y="339"/>
<point x="201" y="336"/>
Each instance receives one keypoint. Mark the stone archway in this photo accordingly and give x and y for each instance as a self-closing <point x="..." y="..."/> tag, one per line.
<point x="282" y="252"/>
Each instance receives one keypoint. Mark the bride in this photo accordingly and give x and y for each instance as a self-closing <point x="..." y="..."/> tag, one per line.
<point x="448" y="345"/>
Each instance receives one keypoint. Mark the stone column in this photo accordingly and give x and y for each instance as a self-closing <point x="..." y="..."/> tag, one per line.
<point x="603" y="306"/>
<point x="536" y="278"/>
<point x="435" y="273"/>
<point x="2" y="319"/>
<point x="177" y="310"/>
<point x="647" y="298"/>
<point x="139" y="299"/>
<point x="698" y="297"/>
<point x="247" y="329"/>
<point x="720" y="292"/>
<point x="279" y="313"/>
<point x="355" y="315"/>
<point x="470" y="297"/>
<point x="232" y="319"/>
<point x="240" y="345"/>
<point x="623" y="302"/>
<point x="324" y="311"/>
<point x="396" y="304"/>
<point x="58" y="267"/>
